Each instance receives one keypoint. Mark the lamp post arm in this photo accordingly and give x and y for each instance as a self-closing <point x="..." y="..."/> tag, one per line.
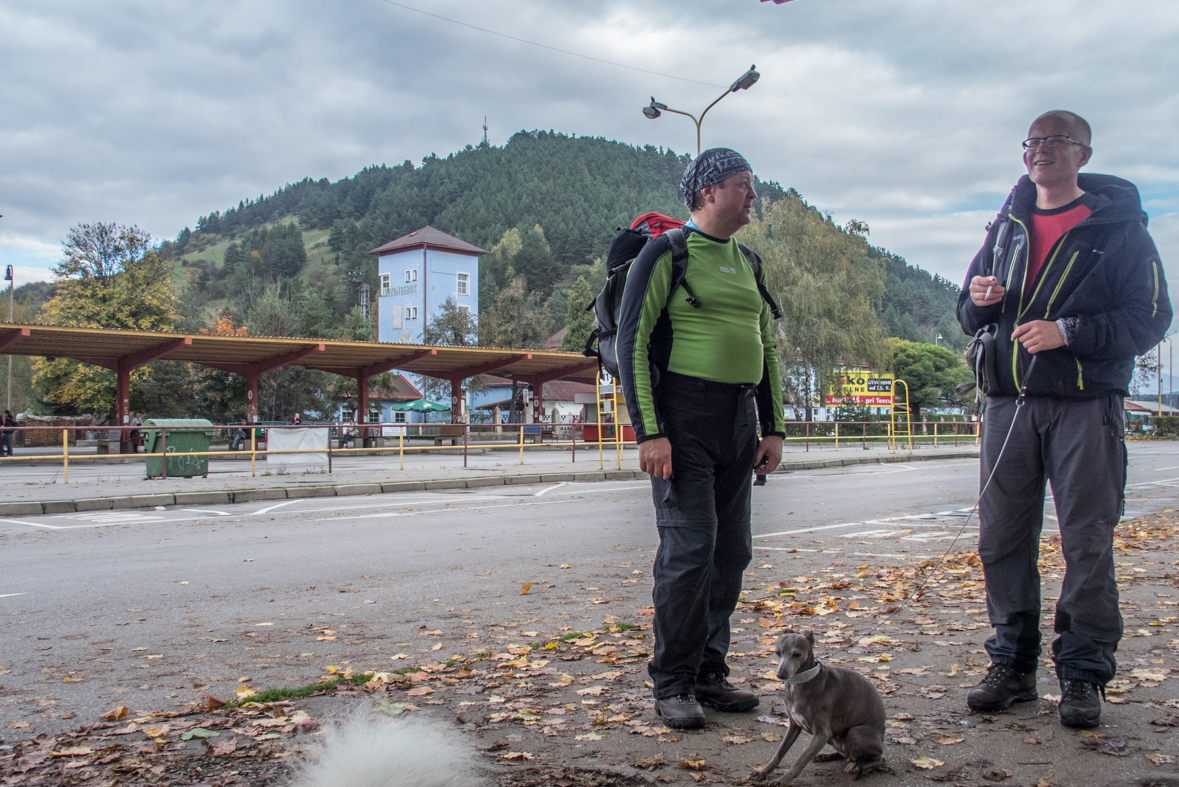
<point x="702" y="114"/>
<point x="694" y="120"/>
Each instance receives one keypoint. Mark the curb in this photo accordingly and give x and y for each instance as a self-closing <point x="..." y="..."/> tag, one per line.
<point x="33" y="508"/>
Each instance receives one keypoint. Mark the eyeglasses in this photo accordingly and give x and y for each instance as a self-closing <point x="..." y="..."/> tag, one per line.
<point x="1052" y="142"/>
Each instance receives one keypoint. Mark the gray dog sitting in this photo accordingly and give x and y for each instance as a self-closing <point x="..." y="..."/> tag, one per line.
<point x="835" y="705"/>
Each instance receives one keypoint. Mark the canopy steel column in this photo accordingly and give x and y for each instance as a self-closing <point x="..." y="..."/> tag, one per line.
<point x="537" y="381"/>
<point x="457" y="377"/>
<point x="363" y="373"/>
<point x="252" y="371"/>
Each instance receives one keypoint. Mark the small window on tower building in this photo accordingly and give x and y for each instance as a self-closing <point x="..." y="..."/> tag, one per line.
<point x="464" y="280"/>
<point x="386" y="283"/>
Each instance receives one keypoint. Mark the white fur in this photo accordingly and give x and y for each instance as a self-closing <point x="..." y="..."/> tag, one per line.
<point x="370" y="750"/>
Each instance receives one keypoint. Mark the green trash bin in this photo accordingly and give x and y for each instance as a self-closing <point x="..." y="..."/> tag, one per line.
<point x="177" y="441"/>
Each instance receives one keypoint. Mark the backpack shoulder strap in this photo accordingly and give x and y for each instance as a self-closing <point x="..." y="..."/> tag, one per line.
<point x="755" y="263"/>
<point x="678" y="238"/>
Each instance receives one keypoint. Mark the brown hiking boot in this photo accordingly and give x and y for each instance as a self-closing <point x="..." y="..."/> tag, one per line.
<point x="716" y="692"/>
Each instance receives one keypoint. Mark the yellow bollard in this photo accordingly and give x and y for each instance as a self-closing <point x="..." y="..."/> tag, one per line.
<point x="65" y="454"/>
<point x="837" y="435"/>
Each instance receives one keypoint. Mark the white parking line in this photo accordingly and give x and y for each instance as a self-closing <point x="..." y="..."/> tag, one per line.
<point x="268" y="509"/>
<point x="548" y="489"/>
<point x="10" y="595"/>
<point x="206" y="511"/>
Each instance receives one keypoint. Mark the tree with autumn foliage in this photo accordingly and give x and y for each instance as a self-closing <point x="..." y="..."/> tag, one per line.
<point x="109" y="277"/>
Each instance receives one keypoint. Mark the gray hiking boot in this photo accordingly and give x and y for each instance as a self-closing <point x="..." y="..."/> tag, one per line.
<point x="682" y="712"/>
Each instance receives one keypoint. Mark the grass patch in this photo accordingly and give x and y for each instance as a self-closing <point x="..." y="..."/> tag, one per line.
<point x="278" y="694"/>
<point x="625" y="626"/>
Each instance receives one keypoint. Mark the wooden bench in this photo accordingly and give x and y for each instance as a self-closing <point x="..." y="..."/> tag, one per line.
<point x="452" y="432"/>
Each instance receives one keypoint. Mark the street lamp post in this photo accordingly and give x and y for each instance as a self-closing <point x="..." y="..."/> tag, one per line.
<point x="938" y="339"/>
<point x="746" y="81"/>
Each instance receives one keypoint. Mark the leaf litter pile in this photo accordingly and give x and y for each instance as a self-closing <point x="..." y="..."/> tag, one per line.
<point x="573" y="707"/>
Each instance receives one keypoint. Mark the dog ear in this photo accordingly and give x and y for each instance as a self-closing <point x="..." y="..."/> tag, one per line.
<point x="810" y="636"/>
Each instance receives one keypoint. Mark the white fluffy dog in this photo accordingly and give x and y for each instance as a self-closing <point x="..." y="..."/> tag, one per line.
<point x="371" y="750"/>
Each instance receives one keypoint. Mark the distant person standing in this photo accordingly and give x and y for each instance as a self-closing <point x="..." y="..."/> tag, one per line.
<point x="1070" y="285"/>
<point x="133" y="435"/>
<point x="6" y="434"/>
<point x="296" y="420"/>
<point x="699" y="371"/>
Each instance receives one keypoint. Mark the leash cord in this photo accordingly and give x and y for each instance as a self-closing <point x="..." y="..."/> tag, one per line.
<point x="1019" y="402"/>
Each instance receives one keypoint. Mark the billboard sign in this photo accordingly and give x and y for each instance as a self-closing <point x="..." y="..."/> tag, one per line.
<point x="862" y="389"/>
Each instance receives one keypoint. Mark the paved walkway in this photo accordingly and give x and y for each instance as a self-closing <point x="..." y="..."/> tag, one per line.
<point x="39" y="488"/>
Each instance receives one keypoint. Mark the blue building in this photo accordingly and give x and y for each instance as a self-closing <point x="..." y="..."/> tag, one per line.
<point x="418" y="273"/>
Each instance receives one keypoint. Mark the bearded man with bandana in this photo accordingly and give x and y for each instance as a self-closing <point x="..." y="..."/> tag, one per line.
<point x="698" y="373"/>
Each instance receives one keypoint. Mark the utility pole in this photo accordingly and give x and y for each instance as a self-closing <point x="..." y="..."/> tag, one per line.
<point x="11" y="278"/>
<point x="485" y="131"/>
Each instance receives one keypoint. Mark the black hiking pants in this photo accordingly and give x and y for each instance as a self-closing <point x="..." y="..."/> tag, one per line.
<point x="703" y="516"/>
<point x="1078" y="446"/>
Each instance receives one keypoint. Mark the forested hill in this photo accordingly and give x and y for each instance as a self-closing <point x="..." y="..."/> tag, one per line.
<point x="545" y="204"/>
<point x="578" y="189"/>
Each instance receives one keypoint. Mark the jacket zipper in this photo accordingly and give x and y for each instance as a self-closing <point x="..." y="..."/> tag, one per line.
<point x="1060" y="283"/>
<point x="1019" y="309"/>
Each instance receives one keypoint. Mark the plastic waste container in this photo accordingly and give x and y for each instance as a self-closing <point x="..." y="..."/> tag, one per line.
<point x="177" y="441"/>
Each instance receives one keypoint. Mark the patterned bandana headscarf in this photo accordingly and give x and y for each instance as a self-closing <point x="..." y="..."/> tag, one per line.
<point x="711" y="167"/>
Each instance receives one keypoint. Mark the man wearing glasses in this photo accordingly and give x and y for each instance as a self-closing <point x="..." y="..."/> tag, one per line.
<point x="1070" y="286"/>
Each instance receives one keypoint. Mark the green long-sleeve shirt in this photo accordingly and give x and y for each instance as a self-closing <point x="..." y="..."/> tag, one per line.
<point x="729" y="339"/>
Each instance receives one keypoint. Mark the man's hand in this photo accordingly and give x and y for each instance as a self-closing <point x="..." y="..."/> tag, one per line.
<point x="769" y="451"/>
<point x="1038" y="335"/>
<point x="655" y="457"/>
<point x="981" y="285"/>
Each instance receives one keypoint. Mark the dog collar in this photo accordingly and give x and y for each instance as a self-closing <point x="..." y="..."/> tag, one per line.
<point x="803" y="677"/>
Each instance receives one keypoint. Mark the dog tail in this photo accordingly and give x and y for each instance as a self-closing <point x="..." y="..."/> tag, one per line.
<point x="370" y="750"/>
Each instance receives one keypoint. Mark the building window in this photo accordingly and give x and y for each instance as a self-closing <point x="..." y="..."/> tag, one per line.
<point x="411" y="275"/>
<point x="411" y="312"/>
<point x="386" y="283"/>
<point x="399" y="417"/>
<point x="464" y="280"/>
<point x="374" y="417"/>
<point x="464" y="307"/>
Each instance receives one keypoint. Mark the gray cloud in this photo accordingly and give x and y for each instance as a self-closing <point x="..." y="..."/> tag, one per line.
<point x="906" y="114"/>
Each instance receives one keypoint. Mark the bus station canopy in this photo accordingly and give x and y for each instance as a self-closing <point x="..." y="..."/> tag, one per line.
<point x="112" y="348"/>
<point x="125" y="350"/>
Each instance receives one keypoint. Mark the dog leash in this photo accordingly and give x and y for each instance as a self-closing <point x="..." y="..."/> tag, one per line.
<point x="1019" y="403"/>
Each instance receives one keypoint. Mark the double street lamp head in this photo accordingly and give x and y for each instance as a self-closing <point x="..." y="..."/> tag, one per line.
<point x="744" y="82"/>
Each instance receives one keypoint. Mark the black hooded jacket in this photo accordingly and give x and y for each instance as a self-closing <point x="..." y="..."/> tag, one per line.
<point x="1103" y="279"/>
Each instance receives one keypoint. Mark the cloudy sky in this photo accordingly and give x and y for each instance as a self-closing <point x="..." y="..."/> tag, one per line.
<point x="906" y="114"/>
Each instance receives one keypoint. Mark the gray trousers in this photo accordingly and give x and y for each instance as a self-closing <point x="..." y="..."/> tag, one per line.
<point x="703" y="515"/>
<point x="1078" y="446"/>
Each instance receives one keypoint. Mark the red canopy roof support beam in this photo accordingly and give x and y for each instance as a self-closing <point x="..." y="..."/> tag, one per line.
<point x="251" y="372"/>
<point x="12" y="339"/>
<point x="122" y="367"/>
<point x="537" y="382"/>
<point x="457" y="377"/>
<point x="362" y="373"/>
